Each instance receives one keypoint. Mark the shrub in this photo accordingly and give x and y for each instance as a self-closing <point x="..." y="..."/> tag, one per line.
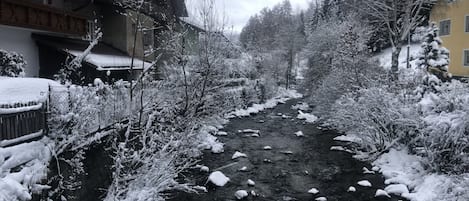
<point x="12" y="64"/>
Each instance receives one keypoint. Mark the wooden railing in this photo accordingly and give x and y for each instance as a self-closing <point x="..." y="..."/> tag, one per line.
<point x="22" y="121"/>
<point x="27" y="14"/>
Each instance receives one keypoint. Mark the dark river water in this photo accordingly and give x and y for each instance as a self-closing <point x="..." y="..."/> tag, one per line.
<point x="285" y="176"/>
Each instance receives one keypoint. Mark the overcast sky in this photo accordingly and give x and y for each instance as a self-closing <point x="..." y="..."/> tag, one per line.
<point x="238" y="12"/>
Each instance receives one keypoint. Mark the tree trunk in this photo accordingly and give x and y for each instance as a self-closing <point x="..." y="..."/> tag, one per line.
<point x="395" y="60"/>
<point x="289" y="68"/>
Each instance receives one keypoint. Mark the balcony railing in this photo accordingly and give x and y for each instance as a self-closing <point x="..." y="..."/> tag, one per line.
<point x="31" y="15"/>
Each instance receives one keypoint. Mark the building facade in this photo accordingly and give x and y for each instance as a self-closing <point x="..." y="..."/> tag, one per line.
<point x="47" y="32"/>
<point x="452" y="17"/>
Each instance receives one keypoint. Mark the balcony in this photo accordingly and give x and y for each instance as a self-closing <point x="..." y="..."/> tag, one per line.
<point x="20" y="13"/>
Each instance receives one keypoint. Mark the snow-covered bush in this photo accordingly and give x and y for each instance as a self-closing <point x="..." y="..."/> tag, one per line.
<point x="377" y="117"/>
<point x="423" y="113"/>
<point x="76" y="113"/>
<point x="12" y="64"/>
<point x="445" y="134"/>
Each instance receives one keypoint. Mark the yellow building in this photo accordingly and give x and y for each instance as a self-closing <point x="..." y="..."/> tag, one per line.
<point x="452" y="17"/>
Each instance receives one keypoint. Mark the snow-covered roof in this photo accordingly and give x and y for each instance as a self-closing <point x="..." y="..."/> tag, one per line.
<point x="104" y="57"/>
<point x="192" y="22"/>
<point x="104" y="62"/>
<point x="24" y="90"/>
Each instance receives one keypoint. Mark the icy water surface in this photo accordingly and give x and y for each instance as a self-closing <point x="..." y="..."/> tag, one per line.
<point x="278" y="174"/>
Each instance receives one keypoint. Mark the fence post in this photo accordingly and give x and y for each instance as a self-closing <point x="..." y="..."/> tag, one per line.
<point x="47" y="111"/>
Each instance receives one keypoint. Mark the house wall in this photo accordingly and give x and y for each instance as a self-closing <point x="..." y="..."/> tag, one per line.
<point x="130" y="21"/>
<point x="114" y="28"/>
<point x="458" y="40"/>
<point x="19" y="40"/>
<point x="191" y="38"/>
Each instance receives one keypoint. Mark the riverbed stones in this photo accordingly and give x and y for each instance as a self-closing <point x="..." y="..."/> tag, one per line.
<point x="241" y="194"/>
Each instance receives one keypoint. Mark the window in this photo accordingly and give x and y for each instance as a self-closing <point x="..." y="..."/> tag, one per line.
<point x="466" y="22"/>
<point x="445" y="27"/>
<point x="466" y="58"/>
<point x="90" y="30"/>
<point x="148" y="39"/>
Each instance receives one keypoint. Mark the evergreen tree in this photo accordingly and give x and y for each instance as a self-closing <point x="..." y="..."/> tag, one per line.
<point x="433" y="56"/>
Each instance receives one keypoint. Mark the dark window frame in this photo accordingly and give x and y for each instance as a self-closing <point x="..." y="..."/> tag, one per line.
<point x="465" y="58"/>
<point x="445" y="29"/>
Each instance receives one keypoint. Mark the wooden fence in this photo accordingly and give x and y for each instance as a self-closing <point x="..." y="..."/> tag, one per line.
<point x="22" y="121"/>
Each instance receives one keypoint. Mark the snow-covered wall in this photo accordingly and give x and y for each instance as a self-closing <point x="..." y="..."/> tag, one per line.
<point x="20" y="41"/>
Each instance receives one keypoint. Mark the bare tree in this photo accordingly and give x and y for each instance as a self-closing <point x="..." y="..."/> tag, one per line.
<point x="399" y="17"/>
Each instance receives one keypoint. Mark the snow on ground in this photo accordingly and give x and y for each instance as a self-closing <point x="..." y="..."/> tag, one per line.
<point x="384" y="57"/>
<point x="310" y="118"/>
<point x="404" y="171"/>
<point x="300" y="106"/>
<point x="282" y="96"/>
<point x="340" y="148"/>
<point x="348" y="138"/>
<point x="24" y="90"/>
<point x="22" y="168"/>
<point x="218" y="178"/>
<point x="206" y="137"/>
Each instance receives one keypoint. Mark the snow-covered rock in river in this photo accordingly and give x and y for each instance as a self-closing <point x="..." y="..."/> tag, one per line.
<point x="299" y="134"/>
<point x="240" y="194"/>
<point x="250" y="131"/>
<point x="310" y="118"/>
<point x="313" y="191"/>
<point x="253" y="193"/>
<point x="351" y="189"/>
<point x="251" y="182"/>
<point x="238" y="155"/>
<point x="397" y="189"/>
<point x="367" y="171"/>
<point x="381" y="193"/>
<point x="376" y="169"/>
<point x="243" y="169"/>
<point x="286" y="152"/>
<point x="321" y="199"/>
<point x="222" y="133"/>
<point x="218" y="178"/>
<point x="337" y="148"/>
<point x="217" y="148"/>
<point x="267" y="148"/>
<point x="364" y="183"/>
<point x="203" y="168"/>
<point x="255" y="135"/>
